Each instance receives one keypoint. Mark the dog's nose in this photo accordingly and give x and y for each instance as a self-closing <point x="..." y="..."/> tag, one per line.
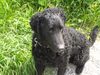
<point x="61" y="47"/>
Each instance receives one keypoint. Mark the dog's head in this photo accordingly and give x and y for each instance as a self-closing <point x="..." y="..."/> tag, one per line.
<point x="49" y="25"/>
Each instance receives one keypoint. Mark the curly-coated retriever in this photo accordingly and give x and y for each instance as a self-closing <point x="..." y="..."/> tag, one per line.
<point x="56" y="45"/>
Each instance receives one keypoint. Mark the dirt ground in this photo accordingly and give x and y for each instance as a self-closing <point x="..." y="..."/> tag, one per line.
<point x="92" y="67"/>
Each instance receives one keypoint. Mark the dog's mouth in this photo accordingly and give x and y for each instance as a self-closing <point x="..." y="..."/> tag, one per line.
<point x="60" y="53"/>
<point x="59" y="49"/>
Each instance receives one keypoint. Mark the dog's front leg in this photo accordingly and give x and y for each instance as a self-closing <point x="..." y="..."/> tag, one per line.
<point x="39" y="68"/>
<point x="63" y="63"/>
<point x="61" y="70"/>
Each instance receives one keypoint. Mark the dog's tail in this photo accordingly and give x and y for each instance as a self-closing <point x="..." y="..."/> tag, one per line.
<point x="93" y="34"/>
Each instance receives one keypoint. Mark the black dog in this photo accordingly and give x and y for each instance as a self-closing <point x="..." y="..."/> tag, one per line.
<point x="55" y="45"/>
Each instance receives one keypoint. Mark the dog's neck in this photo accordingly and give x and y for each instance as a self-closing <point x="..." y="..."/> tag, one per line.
<point x="40" y="42"/>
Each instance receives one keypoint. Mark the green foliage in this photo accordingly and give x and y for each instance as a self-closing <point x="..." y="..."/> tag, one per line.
<point x="15" y="32"/>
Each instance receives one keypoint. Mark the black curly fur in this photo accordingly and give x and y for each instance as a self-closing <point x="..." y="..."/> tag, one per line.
<point x="76" y="45"/>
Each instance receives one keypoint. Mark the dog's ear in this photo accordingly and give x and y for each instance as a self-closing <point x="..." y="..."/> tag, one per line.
<point x="62" y="15"/>
<point x="35" y="22"/>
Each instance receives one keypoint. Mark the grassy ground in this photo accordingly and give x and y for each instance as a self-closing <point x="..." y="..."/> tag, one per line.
<point x="15" y="32"/>
<point x="15" y="39"/>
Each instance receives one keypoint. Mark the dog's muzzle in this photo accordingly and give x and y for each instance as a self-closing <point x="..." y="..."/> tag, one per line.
<point x="61" y="49"/>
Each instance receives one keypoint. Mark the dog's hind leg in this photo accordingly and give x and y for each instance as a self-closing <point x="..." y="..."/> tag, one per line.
<point x="79" y="60"/>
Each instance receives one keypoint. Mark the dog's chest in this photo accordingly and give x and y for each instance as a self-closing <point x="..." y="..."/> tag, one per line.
<point x="49" y="57"/>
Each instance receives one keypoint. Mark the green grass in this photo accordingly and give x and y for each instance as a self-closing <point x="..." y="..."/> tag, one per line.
<point x="15" y="48"/>
<point x="15" y="39"/>
<point x="16" y="35"/>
